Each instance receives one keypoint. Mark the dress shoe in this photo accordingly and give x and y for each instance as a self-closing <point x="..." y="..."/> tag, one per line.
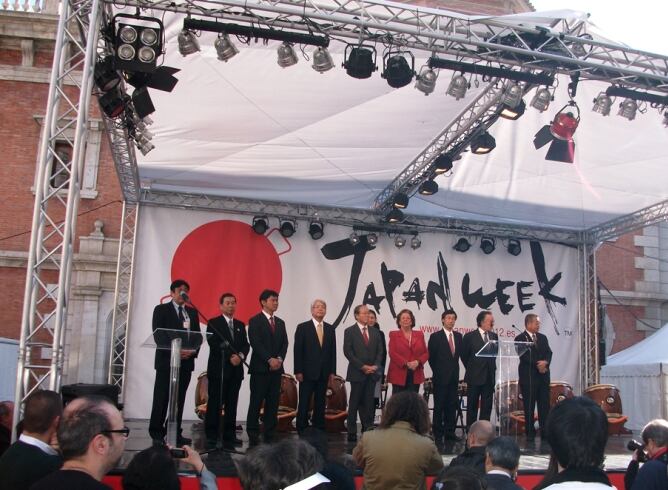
<point x="352" y="437"/>
<point x="183" y="441"/>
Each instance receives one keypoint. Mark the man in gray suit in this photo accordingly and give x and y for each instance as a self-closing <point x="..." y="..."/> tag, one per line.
<point x="362" y="347"/>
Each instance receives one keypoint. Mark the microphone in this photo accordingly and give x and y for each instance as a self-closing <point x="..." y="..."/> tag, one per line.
<point x="185" y="296"/>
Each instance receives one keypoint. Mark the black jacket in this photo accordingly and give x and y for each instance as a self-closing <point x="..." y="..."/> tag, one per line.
<point x="265" y="344"/>
<point x="540" y="351"/>
<point x="24" y="464"/>
<point x="479" y="370"/>
<point x="166" y="317"/>
<point x="444" y="366"/>
<point x="240" y="344"/>
<point x="473" y="457"/>
<point x="312" y="360"/>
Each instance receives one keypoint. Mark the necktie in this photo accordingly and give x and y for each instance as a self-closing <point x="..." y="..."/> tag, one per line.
<point x="318" y="330"/>
<point x="486" y="337"/>
<point x="366" y="337"/>
<point x="533" y="338"/>
<point x="231" y="327"/>
<point x="181" y="317"/>
<point x="272" y="324"/>
<point x="452" y="344"/>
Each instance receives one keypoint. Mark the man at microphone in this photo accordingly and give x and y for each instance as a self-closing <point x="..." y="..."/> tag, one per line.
<point x="174" y="315"/>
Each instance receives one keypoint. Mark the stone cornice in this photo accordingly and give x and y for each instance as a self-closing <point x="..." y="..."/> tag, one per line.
<point x="633" y="298"/>
<point x="28" y="25"/>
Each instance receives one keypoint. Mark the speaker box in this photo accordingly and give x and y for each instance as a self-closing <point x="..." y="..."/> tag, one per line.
<point x="70" y="392"/>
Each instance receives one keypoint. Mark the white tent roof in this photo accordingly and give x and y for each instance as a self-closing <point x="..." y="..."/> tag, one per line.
<point x="652" y="350"/>
<point x="248" y="128"/>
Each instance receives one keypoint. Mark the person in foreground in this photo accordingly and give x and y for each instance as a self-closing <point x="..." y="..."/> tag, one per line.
<point x="480" y="434"/>
<point x="577" y="430"/>
<point x="91" y="436"/>
<point x="459" y="478"/>
<point x="653" y="474"/>
<point x="32" y="457"/>
<point x="502" y="458"/>
<point x="399" y="454"/>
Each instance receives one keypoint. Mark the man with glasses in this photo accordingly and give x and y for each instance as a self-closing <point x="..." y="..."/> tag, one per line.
<point x="91" y="436"/>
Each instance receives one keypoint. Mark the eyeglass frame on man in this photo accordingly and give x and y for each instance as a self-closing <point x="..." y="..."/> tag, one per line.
<point x="125" y="431"/>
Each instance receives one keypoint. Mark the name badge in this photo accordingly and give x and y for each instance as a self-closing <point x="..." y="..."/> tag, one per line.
<point x="186" y="323"/>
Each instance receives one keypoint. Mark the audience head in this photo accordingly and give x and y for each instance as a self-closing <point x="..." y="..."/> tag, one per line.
<point x="275" y="466"/>
<point x="42" y="413"/>
<point x="577" y="430"/>
<point x="459" y="478"/>
<point x="655" y="436"/>
<point x="502" y="453"/>
<point x="480" y="433"/>
<point x="151" y="469"/>
<point x="405" y="318"/>
<point x="406" y="406"/>
<point x="6" y="414"/>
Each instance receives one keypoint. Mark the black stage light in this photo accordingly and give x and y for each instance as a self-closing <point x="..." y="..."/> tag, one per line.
<point x="428" y="188"/>
<point x="483" y="144"/>
<point x="462" y="245"/>
<point x="442" y="164"/>
<point x="106" y="76"/>
<point x="354" y="238"/>
<point x="260" y="225"/>
<point x="487" y="244"/>
<point x="316" y="229"/>
<point x="512" y="113"/>
<point x="137" y="42"/>
<point x="395" y="216"/>
<point x="372" y="238"/>
<point x="416" y="242"/>
<point x="396" y="69"/>
<point x="361" y="62"/>
<point x="514" y="247"/>
<point x="113" y="103"/>
<point x="287" y="228"/>
<point x="400" y="201"/>
<point x="399" y="241"/>
<point x="142" y="102"/>
<point x="161" y="79"/>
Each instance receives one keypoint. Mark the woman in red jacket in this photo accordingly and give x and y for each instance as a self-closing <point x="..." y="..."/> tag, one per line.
<point x="408" y="354"/>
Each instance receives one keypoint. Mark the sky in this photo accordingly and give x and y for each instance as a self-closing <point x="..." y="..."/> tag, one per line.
<point x="639" y="23"/>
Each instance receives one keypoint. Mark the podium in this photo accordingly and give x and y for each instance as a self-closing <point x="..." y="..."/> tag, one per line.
<point x="507" y="399"/>
<point x="174" y="341"/>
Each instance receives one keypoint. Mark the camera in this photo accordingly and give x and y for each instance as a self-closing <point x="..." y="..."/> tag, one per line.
<point x="634" y="445"/>
<point x="177" y="453"/>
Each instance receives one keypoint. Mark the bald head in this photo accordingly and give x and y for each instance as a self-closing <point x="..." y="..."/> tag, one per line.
<point x="480" y="433"/>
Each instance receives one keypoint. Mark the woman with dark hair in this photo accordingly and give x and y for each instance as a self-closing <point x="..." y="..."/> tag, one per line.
<point x="373" y="322"/>
<point x="399" y="454"/>
<point x="408" y="354"/>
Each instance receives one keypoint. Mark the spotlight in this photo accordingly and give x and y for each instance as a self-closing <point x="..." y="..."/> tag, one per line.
<point x="462" y="245"/>
<point x="514" y="247"/>
<point x="541" y="100"/>
<point x="141" y="100"/>
<point x="260" y="224"/>
<point x="395" y="216"/>
<point x="316" y="229"/>
<point x="400" y="201"/>
<point x="286" y="55"/>
<point x="188" y="43"/>
<point x="287" y="228"/>
<point x="322" y="60"/>
<point x="396" y="68"/>
<point x="428" y="188"/>
<point x="361" y="62"/>
<point x="560" y="134"/>
<point x="225" y="48"/>
<point x="106" y="76"/>
<point x="442" y="164"/>
<point x="512" y="95"/>
<point x="602" y="104"/>
<point x="512" y="113"/>
<point x="136" y="44"/>
<point x="483" y="143"/>
<point x="354" y="238"/>
<point x="399" y="242"/>
<point x="425" y="82"/>
<point x="458" y="87"/>
<point x="487" y="245"/>
<point x="416" y="242"/>
<point x="145" y="146"/>
<point x="113" y="103"/>
<point x="628" y="109"/>
<point x="372" y="238"/>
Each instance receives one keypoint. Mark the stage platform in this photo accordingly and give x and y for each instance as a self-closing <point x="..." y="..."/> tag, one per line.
<point x="533" y="462"/>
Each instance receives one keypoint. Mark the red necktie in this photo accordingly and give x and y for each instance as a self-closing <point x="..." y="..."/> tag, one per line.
<point x="366" y="337"/>
<point x="272" y="324"/>
<point x="452" y="344"/>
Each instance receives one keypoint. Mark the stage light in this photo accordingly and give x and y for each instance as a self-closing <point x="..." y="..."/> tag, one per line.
<point x="361" y="62"/>
<point x="628" y="109"/>
<point x="428" y="188"/>
<point x="490" y="72"/>
<point x="442" y="164"/>
<point x="396" y="68"/>
<point x="145" y="147"/>
<point x="564" y="124"/>
<point x="400" y="201"/>
<point x="487" y="245"/>
<point x="416" y="242"/>
<point x="260" y="224"/>
<point x="136" y="44"/>
<point x="141" y="101"/>
<point x="106" y="76"/>
<point x="458" y="87"/>
<point x="512" y="113"/>
<point x="514" y="247"/>
<point x="541" y="100"/>
<point x="395" y="216"/>
<point x="225" y="48"/>
<point x="665" y="118"/>
<point x="286" y="55"/>
<point x="113" y="103"/>
<point x="372" y="238"/>
<point x="399" y="242"/>
<point x="425" y="82"/>
<point x="354" y="238"/>
<point x="483" y="144"/>
<point x="188" y="43"/>
<point x="512" y="95"/>
<point x="559" y="134"/>
<point x="462" y="245"/>
<point x="602" y="104"/>
<point x="322" y="60"/>
<point x="287" y="228"/>
<point x="316" y="229"/>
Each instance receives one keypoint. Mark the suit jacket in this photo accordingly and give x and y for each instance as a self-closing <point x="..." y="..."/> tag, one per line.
<point x="24" y="464"/>
<point x="264" y="344"/>
<point x="359" y="354"/>
<point x="240" y="343"/>
<point x="444" y="366"/>
<point x="496" y="481"/>
<point x="401" y="353"/>
<point x="312" y="360"/>
<point x="540" y="351"/>
<point x="479" y="370"/>
<point x="165" y="316"/>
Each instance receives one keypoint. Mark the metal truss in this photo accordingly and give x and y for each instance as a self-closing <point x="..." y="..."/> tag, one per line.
<point x="123" y="297"/>
<point x="650" y="215"/>
<point x="589" y="331"/>
<point x="125" y="161"/>
<point x="56" y="202"/>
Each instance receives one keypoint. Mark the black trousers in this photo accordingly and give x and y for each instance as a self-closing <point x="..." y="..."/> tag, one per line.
<point x="536" y="393"/>
<point x="317" y="389"/>
<point x="157" y="426"/>
<point x="479" y="396"/>
<point x="230" y="398"/>
<point x="263" y="388"/>
<point x="361" y="400"/>
<point x="445" y="409"/>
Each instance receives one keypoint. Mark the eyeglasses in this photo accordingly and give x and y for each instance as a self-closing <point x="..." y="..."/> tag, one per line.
<point x="125" y="431"/>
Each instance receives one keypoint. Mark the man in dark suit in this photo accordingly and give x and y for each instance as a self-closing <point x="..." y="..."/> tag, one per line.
<point x="480" y="371"/>
<point x="534" y="374"/>
<point x="315" y="361"/>
<point x="362" y="347"/>
<point x="174" y="315"/>
<point x="269" y="341"/>
<point x="31" y="458"/>
<point x="229" y="347"/>
<point x="502" y="458"/>
<point x="445" y="347"/>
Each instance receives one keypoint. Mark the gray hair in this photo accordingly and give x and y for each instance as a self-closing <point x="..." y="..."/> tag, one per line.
<point x="504" y="453"/>
<point x="657" y="430"/>
<point x="318" y="300"/>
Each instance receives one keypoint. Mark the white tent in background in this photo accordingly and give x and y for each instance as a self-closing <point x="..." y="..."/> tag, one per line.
<point x="641" y="374"/>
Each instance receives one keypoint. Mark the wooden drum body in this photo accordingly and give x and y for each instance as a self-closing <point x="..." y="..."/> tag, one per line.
<point x="560" y="391"/>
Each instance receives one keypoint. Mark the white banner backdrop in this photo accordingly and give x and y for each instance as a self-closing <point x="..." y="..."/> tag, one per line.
<point x="218" y="252"/>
